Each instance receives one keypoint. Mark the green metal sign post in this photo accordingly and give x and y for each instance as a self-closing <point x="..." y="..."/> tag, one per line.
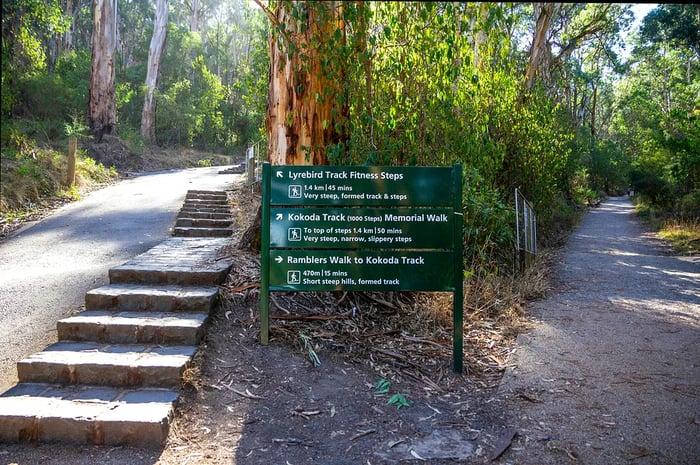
<point x="362" y="228"/>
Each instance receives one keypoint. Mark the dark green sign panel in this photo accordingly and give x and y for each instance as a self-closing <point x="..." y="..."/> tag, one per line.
<point x="303" y="270"/>
<point x="362" y="228"/>
<point x="367" y="228"/>
<point x="361" y="185"/>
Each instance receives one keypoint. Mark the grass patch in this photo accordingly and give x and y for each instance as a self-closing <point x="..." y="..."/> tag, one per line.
<point x="34" y="173"/>
<point x="33" y="183"/>
<point x="30" y="179"/>
<point x="684" y="235"/>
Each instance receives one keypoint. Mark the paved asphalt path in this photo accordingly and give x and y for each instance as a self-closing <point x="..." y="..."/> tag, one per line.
<point x="610" y="372"/>
<point x="46" y="268"/>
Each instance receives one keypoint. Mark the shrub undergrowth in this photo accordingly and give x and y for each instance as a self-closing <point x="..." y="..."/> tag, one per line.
<point x="31" y="174"/>
<point x="680" y="229"/>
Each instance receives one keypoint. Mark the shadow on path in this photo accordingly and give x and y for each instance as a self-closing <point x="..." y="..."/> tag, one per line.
<point x="610" y="372"/>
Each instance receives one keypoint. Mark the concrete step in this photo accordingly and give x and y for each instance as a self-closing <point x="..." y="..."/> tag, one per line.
<point x="190" y="208"/>
<point x="205" y="193"/>
<point x="222" y="197"/>
<point x="204" y="207"/>
<point x="93" y="363"/>
<point x="177" y="260"/>
<point x="136" y="273"/>
<point x="34" y="412"/>
<point x="133" y="327"/>
<point x="203" y="222"/>
<point x="97" y="385"/>
<point x="201" y="214"/>
<point x="209" y="202"/>
<point x="201" y="232"/>
<point x="151" y="297"/>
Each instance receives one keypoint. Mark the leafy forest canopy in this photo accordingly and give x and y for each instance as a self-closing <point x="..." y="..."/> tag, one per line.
<point x="566" y="102"/>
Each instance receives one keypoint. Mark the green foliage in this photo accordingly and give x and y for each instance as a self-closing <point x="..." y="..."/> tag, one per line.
<point x="651" y="186"/>
<point x="399" y="400"/>
<point x="382" y="386"/>
<point x="425" y="83"/>
<point x="129" y="99"/>
<point x="76" y="127"/>
<point x="73" y="70"/>
<point x="31" y="174"/>
<point x="437" y="99"/>
<point x="580" y="191"/>
<point x="605" y="163"/>
<point x="92" y="171"/>
<point x="25" y="26"/>
<point x="42" y="97"/>
<point x="488" y="233"/>
<point x="684" y="235"/>
<point x="677" y="23"/>
<point x="192" y="111"/>
<point x="657" y="120"/>
<point x="195" y="107"/>
<point x="689" y="206"/>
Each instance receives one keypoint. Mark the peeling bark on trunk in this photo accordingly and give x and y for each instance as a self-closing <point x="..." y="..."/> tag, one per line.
<point x="303" y="104"/>
<point x="102" y="108"/>
<point x="544" y="12"/>
<point x="155" y="52"/>
<point x="306" y="105"/>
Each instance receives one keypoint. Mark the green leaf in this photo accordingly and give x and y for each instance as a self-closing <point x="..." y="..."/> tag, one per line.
<point x="382" y="386"/>
<point x="399" y="401"/>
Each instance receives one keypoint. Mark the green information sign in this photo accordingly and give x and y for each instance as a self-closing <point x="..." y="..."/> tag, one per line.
<point x="360" y="185"/>
<point x="342" y="270"/>
<point x="342" y="228"/>
<point x="362" y="228"/>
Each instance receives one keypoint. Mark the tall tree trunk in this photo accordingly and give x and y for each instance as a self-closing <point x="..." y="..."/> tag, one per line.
<point x="68" y="35"/>
<point x="594" y="109"/>
<point x="478" y="17"/>
<point x="306" y="105"/>
<point x="194" y="16"/>
<point x="544" y="12"/>
<point x="155" y="52"/>
<point x="304" y="115"/>
<point x="102" y="108"/>
<point x="71" y="9"/>
<point x="366" y="61"/>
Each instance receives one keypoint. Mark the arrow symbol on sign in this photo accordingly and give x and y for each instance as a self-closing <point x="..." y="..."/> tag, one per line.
<point x="278" y="259"/>
<point x="279" y="174"/>
<point x="279" y="216"/>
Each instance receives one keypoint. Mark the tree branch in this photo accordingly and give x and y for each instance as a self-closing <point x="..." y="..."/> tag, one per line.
<point x="269" y="13"/>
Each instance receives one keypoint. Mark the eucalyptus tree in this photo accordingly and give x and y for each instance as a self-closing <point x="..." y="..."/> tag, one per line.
<point x="307" y="100"/>
<point x="155" y="52"/>
<point x="657" y="107"/>
<point x="135" y="24"/>
<point x="102" y="106"/>
<point x="578" y="32"/>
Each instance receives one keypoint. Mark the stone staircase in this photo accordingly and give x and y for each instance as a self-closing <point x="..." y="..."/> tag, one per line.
<point x="204" y="214"/>
<point x="115" y="373"/>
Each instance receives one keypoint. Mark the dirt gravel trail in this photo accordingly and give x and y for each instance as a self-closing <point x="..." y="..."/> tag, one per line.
<point x="610" y="372"/>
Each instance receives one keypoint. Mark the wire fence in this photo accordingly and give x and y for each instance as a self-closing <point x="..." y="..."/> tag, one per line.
<point x="526" y="230"/>
<point x="255" y="156"/>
